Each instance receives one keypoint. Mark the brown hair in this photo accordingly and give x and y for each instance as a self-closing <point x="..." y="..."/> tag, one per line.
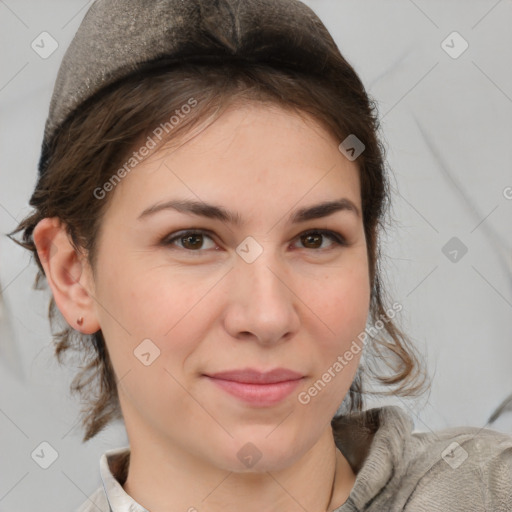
<point x="102" y="133"/>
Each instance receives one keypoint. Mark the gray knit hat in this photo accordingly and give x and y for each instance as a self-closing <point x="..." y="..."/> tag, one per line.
<point x="119" y="38"/>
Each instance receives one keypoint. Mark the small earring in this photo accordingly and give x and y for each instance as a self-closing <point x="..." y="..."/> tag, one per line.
<point x="80" y="320"/>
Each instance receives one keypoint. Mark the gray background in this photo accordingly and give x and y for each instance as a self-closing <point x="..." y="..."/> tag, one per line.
<point x="447" y="124"/>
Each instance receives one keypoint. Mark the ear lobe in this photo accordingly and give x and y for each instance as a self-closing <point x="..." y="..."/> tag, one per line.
<point x="66" y="273"/>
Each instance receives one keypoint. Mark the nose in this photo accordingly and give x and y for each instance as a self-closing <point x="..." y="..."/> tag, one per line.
<point x="261" y="303"/>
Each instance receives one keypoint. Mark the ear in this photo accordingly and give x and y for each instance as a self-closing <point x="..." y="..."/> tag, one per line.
<point x="68" y="274"/>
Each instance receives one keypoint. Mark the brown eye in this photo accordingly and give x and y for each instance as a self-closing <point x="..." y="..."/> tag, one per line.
<point x="192" y="241"/>
<point x="314" y="239"/>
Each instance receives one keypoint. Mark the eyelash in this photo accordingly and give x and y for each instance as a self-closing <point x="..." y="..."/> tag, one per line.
<point x="337" y="238"/>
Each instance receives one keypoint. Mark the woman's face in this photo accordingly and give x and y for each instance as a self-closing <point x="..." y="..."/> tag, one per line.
<point x="248" y="289"/>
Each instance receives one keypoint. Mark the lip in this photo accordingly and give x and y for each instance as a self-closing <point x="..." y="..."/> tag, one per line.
<point x="258" y="388"/>
<point x="253" y="376"/>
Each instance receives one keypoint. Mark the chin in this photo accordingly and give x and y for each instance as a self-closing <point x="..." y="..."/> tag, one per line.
<point x="259" y="456"/>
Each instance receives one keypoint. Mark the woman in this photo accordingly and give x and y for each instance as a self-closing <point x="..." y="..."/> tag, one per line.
<point x="207" y="212"/>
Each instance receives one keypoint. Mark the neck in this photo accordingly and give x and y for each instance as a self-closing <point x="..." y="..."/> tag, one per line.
<point x="164" y="477"/>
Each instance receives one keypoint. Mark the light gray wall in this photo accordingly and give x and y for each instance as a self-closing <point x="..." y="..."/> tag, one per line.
<point x="447" y="124"/>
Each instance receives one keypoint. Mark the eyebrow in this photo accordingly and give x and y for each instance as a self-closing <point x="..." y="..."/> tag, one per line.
<point x="212" y="211"/>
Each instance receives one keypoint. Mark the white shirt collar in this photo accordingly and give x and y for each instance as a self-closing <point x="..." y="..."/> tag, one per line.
<point x="117" y="497"/>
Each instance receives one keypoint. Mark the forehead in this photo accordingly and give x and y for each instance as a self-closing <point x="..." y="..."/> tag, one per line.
<point x="252" y="155"/>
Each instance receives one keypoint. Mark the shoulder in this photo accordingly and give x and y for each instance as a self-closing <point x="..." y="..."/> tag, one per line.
<point x="460" y="468"/>
<point x="96" y="502"/>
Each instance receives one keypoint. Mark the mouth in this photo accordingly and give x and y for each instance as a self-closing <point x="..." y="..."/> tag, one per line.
<point x="257" y="388"/>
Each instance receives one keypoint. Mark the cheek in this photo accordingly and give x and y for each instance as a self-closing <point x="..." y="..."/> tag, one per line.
<point x="340" y="302"/>
<point x="150" y="319"/>
<point x="155" y="310"/>
<point x="343" y="311"/>
<point x="341" y="306"/>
